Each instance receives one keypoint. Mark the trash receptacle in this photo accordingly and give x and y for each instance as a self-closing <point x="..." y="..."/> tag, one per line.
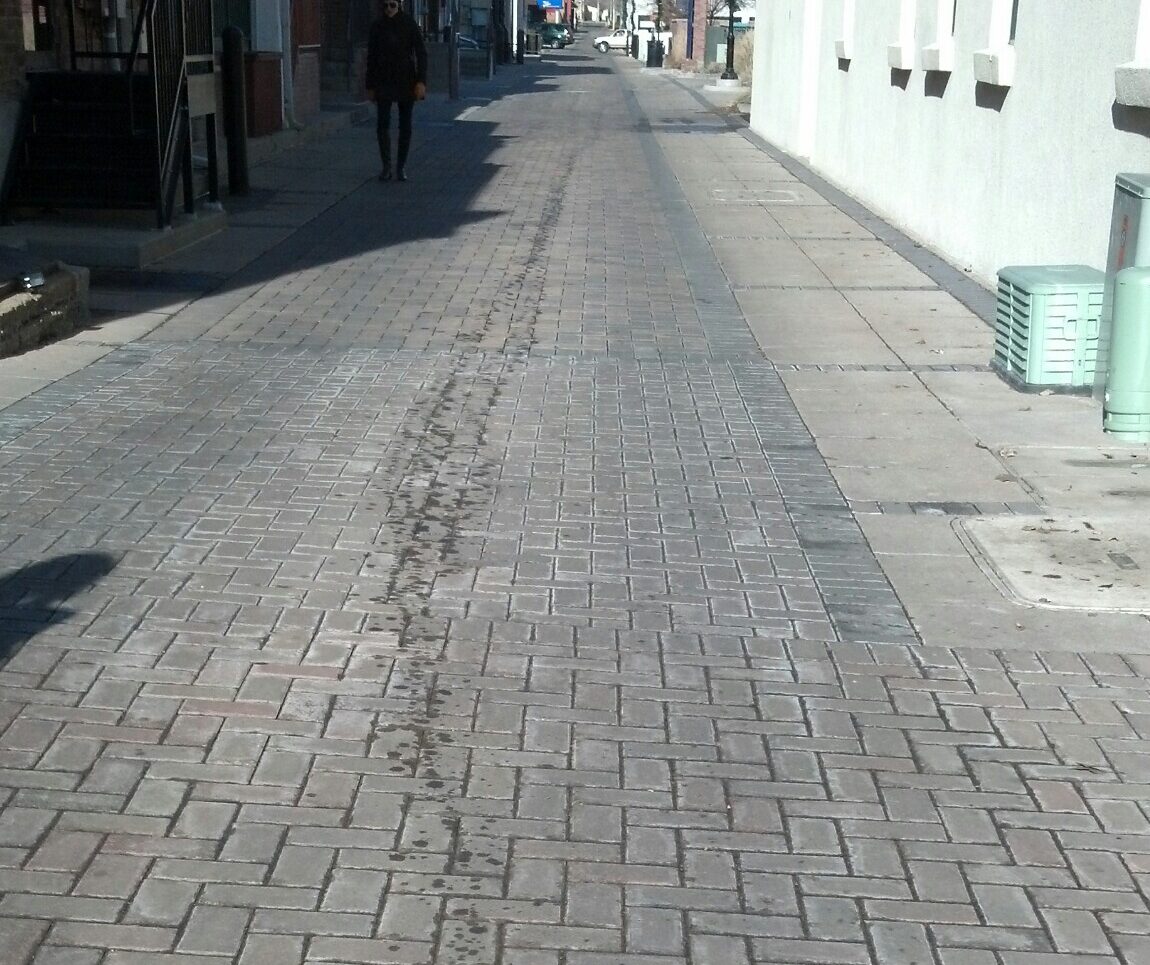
<point x="635" y="46"/>
<point x="655" y="53"/>
<point x="1126" y="405"/>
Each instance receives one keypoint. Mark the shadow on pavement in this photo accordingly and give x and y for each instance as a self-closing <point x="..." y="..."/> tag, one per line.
<point x="32" y="598"/>
<point x="319" y="203"/>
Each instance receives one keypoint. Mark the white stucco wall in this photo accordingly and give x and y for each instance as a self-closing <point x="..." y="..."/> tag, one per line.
<point x="987" y="176"/>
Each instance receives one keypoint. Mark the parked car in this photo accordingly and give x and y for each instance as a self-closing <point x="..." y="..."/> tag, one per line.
<point x="553" y="35"/>
<point x="616" y="40"/>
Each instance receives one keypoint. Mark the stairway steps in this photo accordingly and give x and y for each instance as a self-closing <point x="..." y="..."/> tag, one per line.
<point x="86" y="85"/>
<point x="100" y="120"/>
<point x="138" y="153"/>
<point x="85" y="145"/>
<point x="64" y="187"/>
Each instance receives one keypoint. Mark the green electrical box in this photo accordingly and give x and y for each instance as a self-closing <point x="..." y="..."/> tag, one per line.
<point x="715" y="41"/>
<point x="1046" y="329"/>
<point x="1126" y="405"/>
<point x="1129" y="248"/>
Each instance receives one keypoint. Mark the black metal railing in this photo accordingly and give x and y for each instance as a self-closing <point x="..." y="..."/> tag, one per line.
<point x="168" y="49"/>
<point x="198" y="27"/>
<point x="155" y="51"/>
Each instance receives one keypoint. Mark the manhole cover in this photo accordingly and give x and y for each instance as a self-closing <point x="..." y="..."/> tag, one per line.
<point x="1100" y="563"/>
<point x="740" y="195"/>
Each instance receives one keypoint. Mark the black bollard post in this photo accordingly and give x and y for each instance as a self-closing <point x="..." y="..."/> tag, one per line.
<point x="235" y="110"/>
<point x="452" y="63"/>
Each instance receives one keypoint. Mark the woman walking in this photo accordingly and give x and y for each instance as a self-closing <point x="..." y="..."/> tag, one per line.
<point x="396" y="74"/>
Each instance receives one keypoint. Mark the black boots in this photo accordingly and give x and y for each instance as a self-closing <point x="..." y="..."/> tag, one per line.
<point x="385" y="158"/>
<point x="403" y="147"/>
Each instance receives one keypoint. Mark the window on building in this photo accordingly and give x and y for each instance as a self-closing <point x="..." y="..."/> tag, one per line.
<point x="37" y="18"/>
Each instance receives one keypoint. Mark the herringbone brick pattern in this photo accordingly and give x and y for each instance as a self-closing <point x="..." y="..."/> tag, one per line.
<point x="511" y="650"/>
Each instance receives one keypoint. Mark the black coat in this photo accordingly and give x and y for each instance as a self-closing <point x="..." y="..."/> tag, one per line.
<point x="396" y="58"/>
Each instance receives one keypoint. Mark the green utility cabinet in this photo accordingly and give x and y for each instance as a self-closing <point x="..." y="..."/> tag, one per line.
<point x="715" y="41"/>
<point x="1126" y="406"/>
<point x="1046" y="328"/>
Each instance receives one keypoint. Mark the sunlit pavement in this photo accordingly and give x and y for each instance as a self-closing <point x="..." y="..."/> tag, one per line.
<point x="457" y="582"/>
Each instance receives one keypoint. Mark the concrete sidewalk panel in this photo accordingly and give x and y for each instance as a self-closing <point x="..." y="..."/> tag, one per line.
<point x="810" y="327"/>
<point x="953" y="602"/>
<point x="814" y="221"/>
<point x="926" y="327"/>
<point x="742" y="262"/>
<point x="118" y="302"/>
<point x="120" y="328"/>
<point x="907" y="534"/>
<point x="897" y="470"/>
<point x="859" y="263"/>
<point x="1086" y="480"/>
<point x="1002" y="417"/>
<point x="720" y="221"/>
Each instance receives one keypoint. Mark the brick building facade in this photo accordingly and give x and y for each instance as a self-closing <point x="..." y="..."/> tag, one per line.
<point x="11" y="48"/>
<point x="11" y="74"/>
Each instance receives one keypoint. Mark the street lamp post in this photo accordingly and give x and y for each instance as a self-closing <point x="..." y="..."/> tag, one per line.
<point x="657" y="39"/>
<point x="729" y="73"/>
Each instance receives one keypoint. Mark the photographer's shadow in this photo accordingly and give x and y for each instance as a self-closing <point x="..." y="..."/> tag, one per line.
<point x="33" y="597"/>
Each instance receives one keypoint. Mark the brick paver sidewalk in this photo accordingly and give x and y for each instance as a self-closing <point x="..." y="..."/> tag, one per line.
<point x="458" y="584"/>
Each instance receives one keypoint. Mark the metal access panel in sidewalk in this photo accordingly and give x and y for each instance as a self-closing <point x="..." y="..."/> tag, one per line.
<point x="1046" y="330"/>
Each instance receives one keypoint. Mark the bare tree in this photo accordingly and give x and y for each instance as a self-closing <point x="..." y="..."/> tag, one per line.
<point x="717" y="9"/>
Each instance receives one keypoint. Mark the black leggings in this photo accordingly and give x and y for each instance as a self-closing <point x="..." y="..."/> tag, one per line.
<point x="383" y="131"/>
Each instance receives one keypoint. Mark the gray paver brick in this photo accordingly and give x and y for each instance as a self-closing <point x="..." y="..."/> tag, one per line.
<point x="214" y="931"/>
